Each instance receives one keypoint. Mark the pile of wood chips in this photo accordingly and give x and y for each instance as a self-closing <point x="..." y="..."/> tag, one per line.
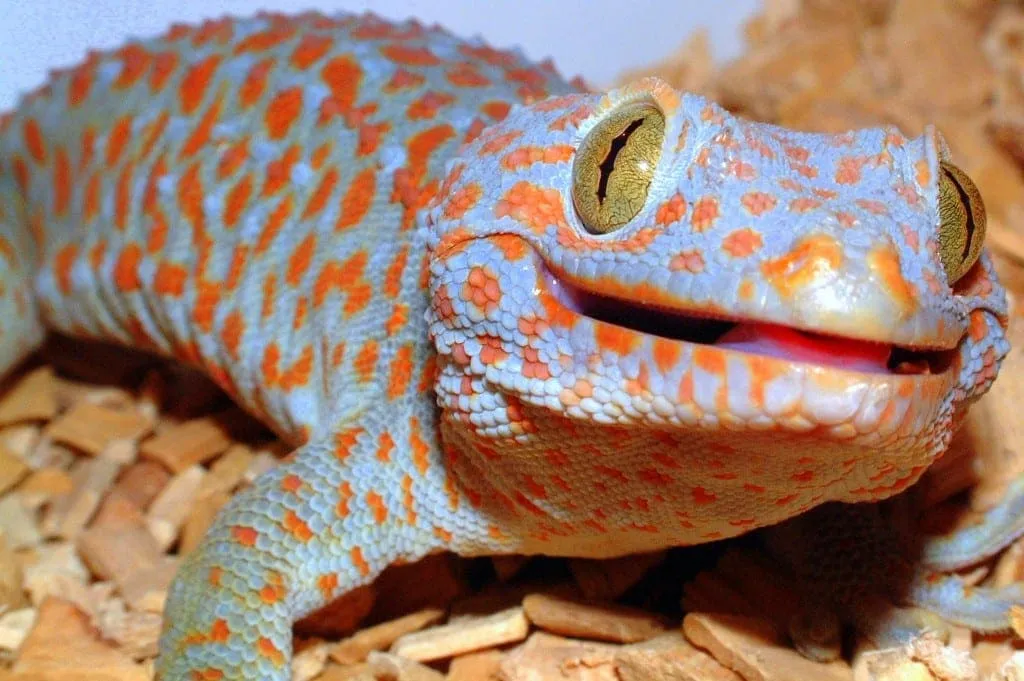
<point x="112" y="465"/>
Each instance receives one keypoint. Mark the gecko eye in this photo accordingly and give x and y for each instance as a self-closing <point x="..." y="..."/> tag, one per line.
<point x="962" y="221"/>
<point x="614" y="166"/>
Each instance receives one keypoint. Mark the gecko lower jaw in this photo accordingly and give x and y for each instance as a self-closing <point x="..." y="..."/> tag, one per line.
<point x="752" y="336"/>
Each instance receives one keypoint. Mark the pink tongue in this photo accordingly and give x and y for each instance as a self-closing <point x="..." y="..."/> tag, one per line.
<point x="786" y="343"/>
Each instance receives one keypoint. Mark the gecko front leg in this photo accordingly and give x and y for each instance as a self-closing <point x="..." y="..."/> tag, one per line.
<point x="329" y="520"/>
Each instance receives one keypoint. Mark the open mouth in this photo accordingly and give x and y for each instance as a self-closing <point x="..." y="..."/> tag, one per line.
<point x="755" y="337"/>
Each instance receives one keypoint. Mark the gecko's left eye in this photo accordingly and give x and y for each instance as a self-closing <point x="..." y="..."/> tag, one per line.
<point x="614" y="166"/>
<point x="961" y="221"/>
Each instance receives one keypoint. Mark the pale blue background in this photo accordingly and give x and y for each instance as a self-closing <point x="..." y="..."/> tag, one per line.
<point x="594" y="38"/>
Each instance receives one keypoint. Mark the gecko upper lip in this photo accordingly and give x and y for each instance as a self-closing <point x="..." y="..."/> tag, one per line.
<point x="752" y="336"/>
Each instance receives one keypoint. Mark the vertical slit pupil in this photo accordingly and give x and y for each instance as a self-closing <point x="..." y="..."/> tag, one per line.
<point x="966" y="201"/>
<point x="608" y="164"/>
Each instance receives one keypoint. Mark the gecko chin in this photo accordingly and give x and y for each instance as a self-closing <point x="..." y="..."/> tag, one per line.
<point x="753" y="337"/>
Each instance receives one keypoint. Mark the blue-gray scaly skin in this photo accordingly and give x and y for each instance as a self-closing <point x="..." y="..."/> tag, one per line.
<point x="371" y="235"/>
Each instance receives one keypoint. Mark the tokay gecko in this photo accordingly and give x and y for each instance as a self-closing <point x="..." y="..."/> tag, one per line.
<point x="495" y="312"/>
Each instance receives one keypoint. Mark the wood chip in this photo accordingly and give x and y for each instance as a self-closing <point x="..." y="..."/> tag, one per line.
<point x="200" y="517"/>
<point x="591" y="621"/>
<point x="169" y="510"/>
<point x="44" y="485"/>
<point x="14" y="628"/>
<point x="380" y="636"/>
<point x="69" y="514"/>
<point x="463" y="636"/>
<point x="669" y="657"/>
<point x="12" y="470"/>
<point x="228" y="471"/>
<point x="11" y="595"/>
<point x="187" y="444"/>
<point x="18" y="523"/>
<point x="482" y="666"/>
<point x="545" y="656"/>
<point x="64" y="645"/>
<point x="32" y="399"/>
<point x="754" y="648"/>
<point x="91" y="427"/>
<point x="386" y="666"/>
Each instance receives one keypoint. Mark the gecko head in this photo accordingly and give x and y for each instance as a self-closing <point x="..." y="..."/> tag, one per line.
<point x="644" y="256"/>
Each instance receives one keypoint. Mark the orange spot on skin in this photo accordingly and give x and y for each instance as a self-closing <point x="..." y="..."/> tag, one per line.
<point x="170" y="279"/>
<point x="393" y="278"/>
<point x="164" y="64"/>
<point x="299" y="372"/>
<point x="526" y="156"/>
<point x="758" y="203"/>
<point x="671" y="211"/>
<point x="282" y="111"/>
<point x="297" y="527"/>
<point x="119" y="136"/>
<point x="465" y="198"/>
<point x="616" y="339"/>
<point x="711" y="360"/>
<point x="428" y="105"/>
<point x="705" y="213"/>
<point x="533" y="206"/>
<point x="279" y="171"/>
<point x="666" y="354"/>
<point x="34" y="140"/>
<point x="346" y="277"/>
<point x="356" y="202"/>
<point x="275" y="221"/>
<point x="246" y="536"/>
<point x="812" y="257"/>
<point x="322" y="194"/>
<point x="193" y="86"/>
<point x="327" y="585"/>
<point x="376" y="504"/>
<point x="885" y="263"/>
<point x="81" y="82"/>
<point x="134" y="62"/>
<point x="343" y="76"/>
<point x="300" y="260"/>
<point x="237" y="200"/>
<point x="255" y="83"/>
<point x="122" y="197"/>
<point x="310" y="50"/>
<point x="401" y="372"/>
<point x="360" y="561"/>
<point x="409" y="56"/>
<point x="420" y="449"/>
<point x="62" y="262"/>
<point x="268" y="650"/>
<point x="231" y="334"/>
<point x="365" y="361"/>
<point x="742" y="243"/>
<point x="274" y="591"/>
<point x="61" y="183"/>
<point x="482" y="290"/>
<point x="264" y="40"/>
<point x="493" y="146"/>
<point x="201" y="135"/>
<point x="126" y="268"/>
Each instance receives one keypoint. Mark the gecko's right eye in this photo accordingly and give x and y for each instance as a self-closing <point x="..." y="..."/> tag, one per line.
<point x="614" y="166"/>
<point x="961" y="221"/>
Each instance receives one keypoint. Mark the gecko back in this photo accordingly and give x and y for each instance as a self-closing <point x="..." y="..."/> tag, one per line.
<point x="241" y="195"/>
